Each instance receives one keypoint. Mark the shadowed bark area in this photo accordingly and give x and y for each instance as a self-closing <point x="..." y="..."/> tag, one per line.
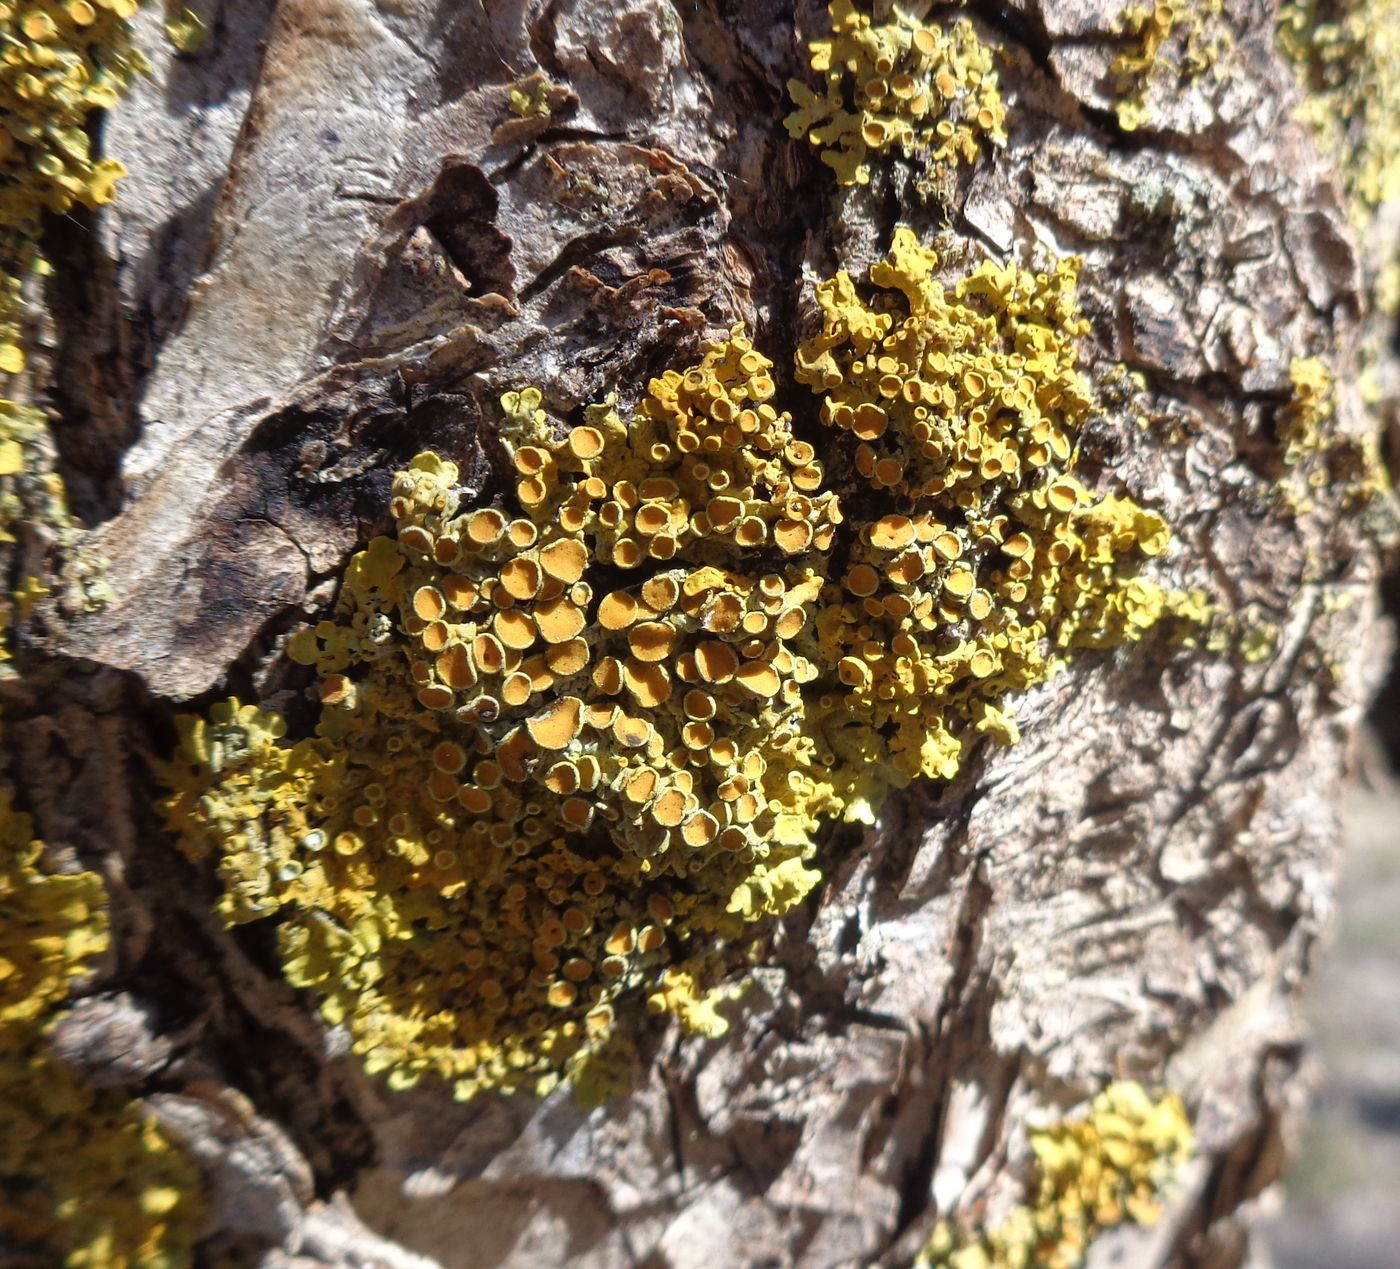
<point x="339" y="245"/>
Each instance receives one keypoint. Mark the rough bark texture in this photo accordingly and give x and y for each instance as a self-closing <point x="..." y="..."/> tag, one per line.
<point x="337" y="246"/>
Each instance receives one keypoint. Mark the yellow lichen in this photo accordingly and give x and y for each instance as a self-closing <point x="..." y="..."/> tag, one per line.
<point x="21" y="472"/>
<point x="1168" y="44"/>
<point x="86" y="1178"/>
<point x="964" y="407"/>
<point x="540" y="789"/>
<point x="32" y="491"/>
<point x="921" y="91"/>
<point x="59" y="61"/>
<point x="1305" y="421"/>
<point x="1107" y="1168"/>
<point x="530" y="98"/>
<point x="572" y="747"/>
<point x="186" y="32"/>
<point x="1347" y="56"/>
<point x="52" y="926"/>
<point x="1318" y="455"/>
<point x="19" y="260"/>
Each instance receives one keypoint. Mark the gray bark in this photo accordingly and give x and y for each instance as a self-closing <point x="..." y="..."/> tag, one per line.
<point x="337" y="247"/>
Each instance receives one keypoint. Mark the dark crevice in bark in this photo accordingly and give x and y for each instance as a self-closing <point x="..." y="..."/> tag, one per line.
<point x="579" y="250"/>
<point x="1022" y="27"/>
<point x="91" y="389"/>
<point x="1214" y="1239"/>
<point x="959" y="1028"/>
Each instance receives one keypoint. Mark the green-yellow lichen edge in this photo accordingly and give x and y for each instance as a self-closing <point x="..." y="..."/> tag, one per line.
<point x="1110" y="1167"/>
<point x="31" y="490"/>
<point x="897" y="87"/>
<point x="87" y="1181"/>
<point x="572" y="747"/>
<point x="186" y="32"/>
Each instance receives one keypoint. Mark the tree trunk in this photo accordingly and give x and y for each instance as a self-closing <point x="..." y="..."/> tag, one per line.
<point x="339" y="243"/>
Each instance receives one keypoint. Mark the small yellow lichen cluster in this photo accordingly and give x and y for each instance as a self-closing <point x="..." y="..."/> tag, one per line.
<point x="904" y="87"/>
<point x="259" y="807"/>
<point x="19" y="259"/>
<point x="59" y="61"/>
<point x="1303" y="423"/>
<point x="30" y="490"/>
<point x="20" y="427"/>
<point x="1153" y="31"/>
<point x="1347" y="54"/>
<point x="186" y="32"/>
<point x="86" y="1180"/>
<point x="1094" y="1173"/>
<point x="530" y="97"/>
<point x="52" y="926"/>
<point x="560" y="753"/>
<point x="571" y="749"/>
<point x="964" y="406"/>
<point x="1316" y="454"/>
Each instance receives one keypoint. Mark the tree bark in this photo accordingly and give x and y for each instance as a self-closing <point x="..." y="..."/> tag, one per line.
<point x="338" y="245"/>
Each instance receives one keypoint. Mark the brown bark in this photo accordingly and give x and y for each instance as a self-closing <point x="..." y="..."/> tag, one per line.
<point x="337" y="247"/>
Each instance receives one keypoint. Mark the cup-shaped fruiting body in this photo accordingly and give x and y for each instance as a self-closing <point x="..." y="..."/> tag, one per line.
<point x="900" y="87"/>
<point x="961" y="408"/>
<point x="1108" y="1167"/>
<point x="86" y="1179"/>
